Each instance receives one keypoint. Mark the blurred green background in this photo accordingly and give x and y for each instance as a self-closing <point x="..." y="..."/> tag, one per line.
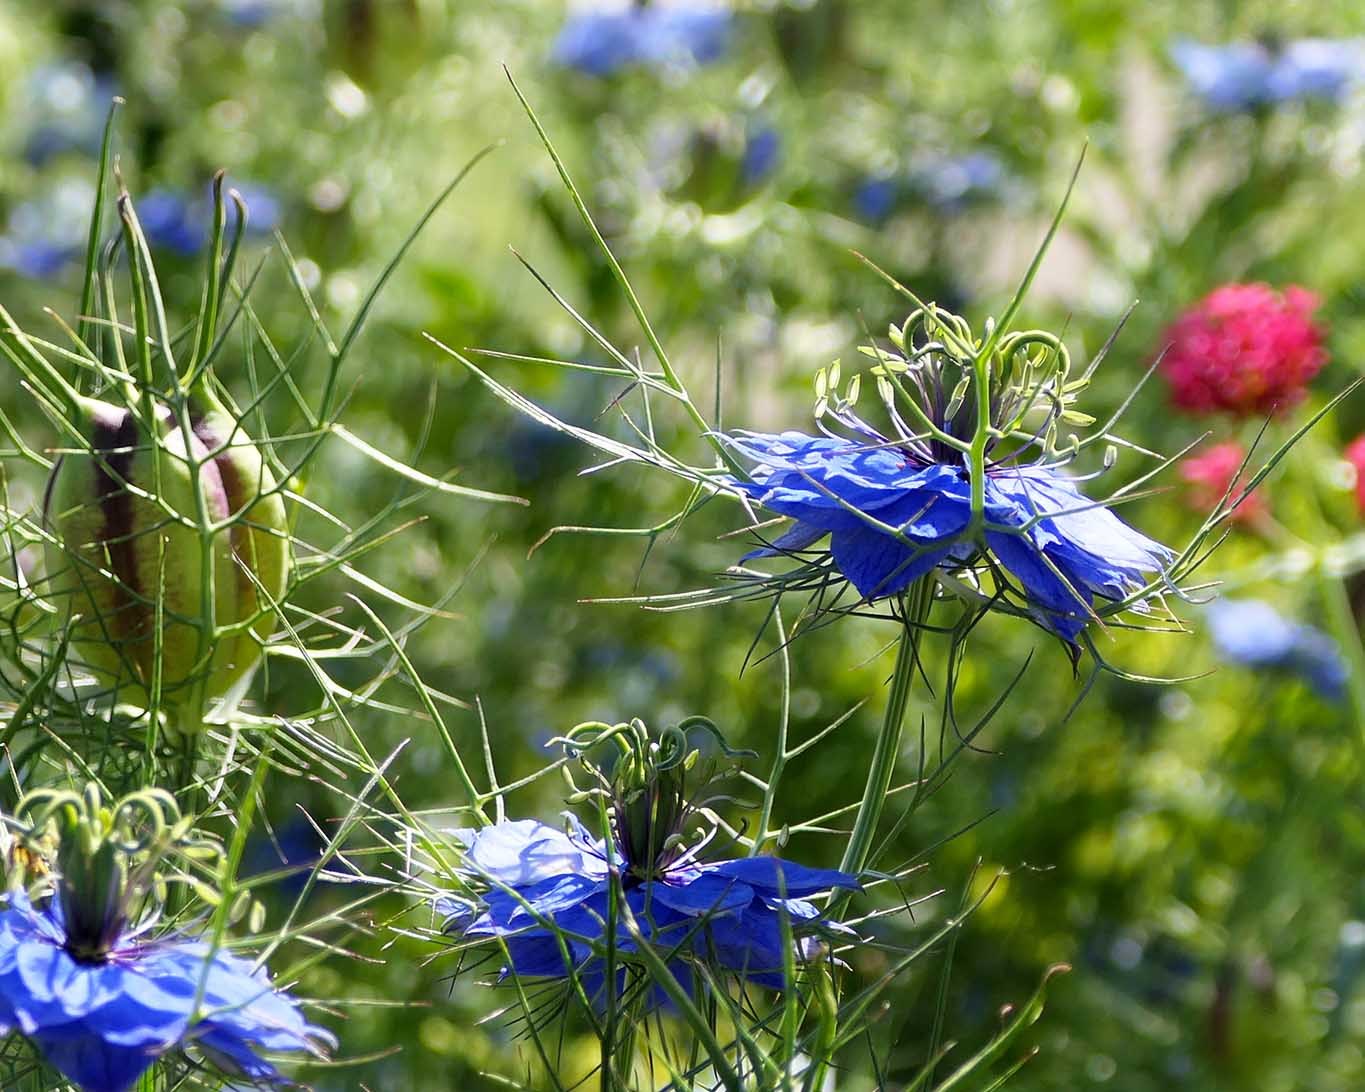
<point x="1196" y="850"/>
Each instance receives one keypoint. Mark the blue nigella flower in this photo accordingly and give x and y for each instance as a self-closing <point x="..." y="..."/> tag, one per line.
<point x="104" y="1020"/>
<point x="263" y="208"/>
<point x="47" y="233"/>
<point x="895" y="507"/>
<point x="39" y="259"/>
<point x="250" y="14"/>
<point x="292" y="851"/>
<point x="1243" y="75"/>
<point x="66" y="108"/>
<point x="875" y="198"/>
<point x="1254" y="634"/>
<point x="762" y="151"/>
<point x="546" y="883"/>
<point x="1062" y="548"/>
<point x="601" y="43"/>
<point x="172" y="221"/>
<point x="947" y="183"/>
<point x="169" y="221"/>
<point x="952" y="182"/>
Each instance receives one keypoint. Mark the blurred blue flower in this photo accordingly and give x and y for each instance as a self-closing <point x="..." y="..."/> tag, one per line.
<point x="250" y="14"/>
<point x="293" y="850"/>
<point x="947" y="183"/>
<point x="1254" y="634"/>
<point x="173" y="221"/>
<point x="1242" y="75"/>
<point x="169" y="222"/>
<point x="44" y="235"/>
<point x="65" y="108"/>
<point x="953" y="181"/>
<point x="103" y="1023"/>
<point x="1064" y="550"/>
<point x="546" y="883"/>
<point x="875" y="198"/>
<point x="601" y="43"/>
<point x="263" y="208"/>
<point x="40" y="260"/>
<point x="762" y="152"/>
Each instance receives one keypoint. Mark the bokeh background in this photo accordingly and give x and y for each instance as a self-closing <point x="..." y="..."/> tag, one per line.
<point x="1195" y="850"/>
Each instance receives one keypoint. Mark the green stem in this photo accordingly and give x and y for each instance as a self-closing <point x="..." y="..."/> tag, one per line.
<point x="916" y="604"/>
<point x="780" y="756"/>
<point x="981" y="380"/>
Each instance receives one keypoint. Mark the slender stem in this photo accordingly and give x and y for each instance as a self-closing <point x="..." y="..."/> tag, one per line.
<point x="916" y="605"/>
<point x="981" y="380"/>
<point x="188" y="761"/>
<point x="780" y="756"/>
<point x="85" y="321"/>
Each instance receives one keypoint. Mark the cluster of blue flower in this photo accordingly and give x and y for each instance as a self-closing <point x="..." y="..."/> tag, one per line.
<point x="963" y="499"/>
<point x="602" y="43"/>
<point x="1252" y="633"/>
<point x="66" y="107"/>
<point x="1244" y="75"/>
<point x="945" y="183"/>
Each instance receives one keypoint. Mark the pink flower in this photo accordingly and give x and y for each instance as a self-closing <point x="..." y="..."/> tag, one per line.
<point x="1355" y="455"/>
<point x="1212" y="475"/>
<point x="1244" y="348"/>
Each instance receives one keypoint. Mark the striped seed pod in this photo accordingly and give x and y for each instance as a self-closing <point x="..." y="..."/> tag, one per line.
<point x="169" y="548"/>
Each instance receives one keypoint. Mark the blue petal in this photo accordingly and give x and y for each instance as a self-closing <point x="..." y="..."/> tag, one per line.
<point x="930" y="514"/>
<point x="1254" y="634"/>
<point x="52" y="987"/>
<point x="93" y="1065"/>
<point x="526" y="851"/>
<point x="1318" y="659"/>
<point x="750" y="945"/>
<point x="601" y="43"/>
<point x="234" y="1056"/>
<point x="877" y="564"/>
<point x="701" y="893"/>
<point x="538" y="955"/>
<point x="784" y="878"/>
<point x="796" y="537"/>
<point x="1315" y="68"/>
<point x="1227" y="77"/>
<point x="1062" y="611"/>
<point x="554" y="897"/>
<point x="795" y="470"/>
<point x="592" y="976"/>
<point x="239" y="1001"/>
<point x="1095" y="550"/>
<point x="144" y="1013"/>
<point x="1251" y="633"/>
<point x="505" y="911"/>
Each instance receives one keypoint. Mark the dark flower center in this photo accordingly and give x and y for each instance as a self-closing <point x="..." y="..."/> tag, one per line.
<point x="648" y="823"/>
<point x="93" y="893"/>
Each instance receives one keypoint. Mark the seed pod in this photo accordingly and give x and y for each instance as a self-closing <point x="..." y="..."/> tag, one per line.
<point x="161" y="538"/>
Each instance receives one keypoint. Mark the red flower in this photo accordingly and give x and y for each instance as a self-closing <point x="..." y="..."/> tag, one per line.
<point x="1244" y="348"/>
<point x="1355" y="455"/>
<point x="1211" y="476"/>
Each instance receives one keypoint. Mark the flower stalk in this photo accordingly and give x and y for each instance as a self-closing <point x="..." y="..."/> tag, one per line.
<point x="915" y="605"/>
